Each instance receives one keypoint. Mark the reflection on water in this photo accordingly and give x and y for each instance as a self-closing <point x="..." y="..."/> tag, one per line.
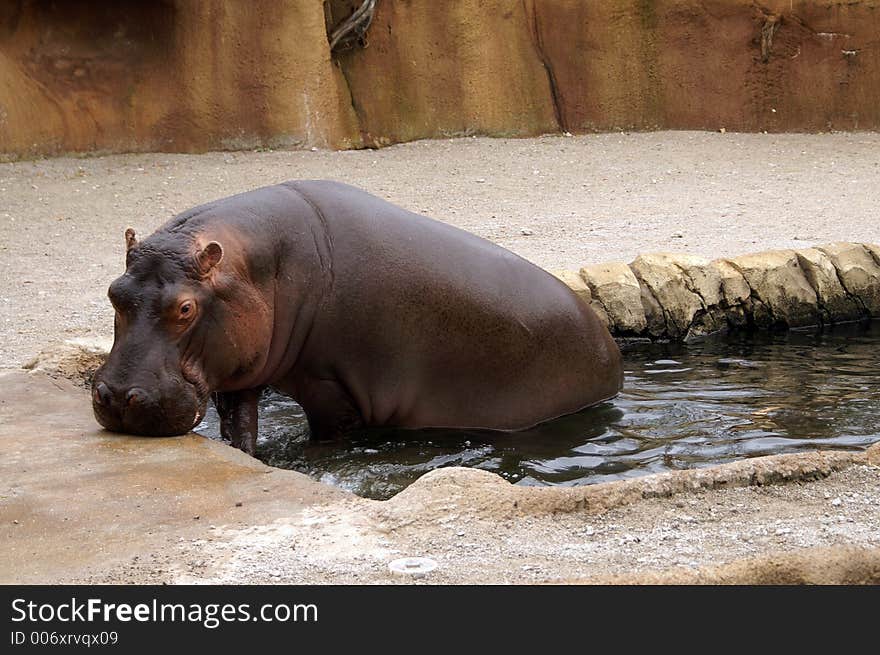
<point x="683" y="406"/>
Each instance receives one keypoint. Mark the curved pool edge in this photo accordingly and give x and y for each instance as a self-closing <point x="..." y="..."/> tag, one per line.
<point x="834" y="565"/>
<point x="81" y="505"/>
<point x="483" y="490"/>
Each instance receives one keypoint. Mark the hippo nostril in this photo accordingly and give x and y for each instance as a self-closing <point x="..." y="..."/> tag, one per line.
<point x="135" y="396"/>
<point x="101" y="394"/>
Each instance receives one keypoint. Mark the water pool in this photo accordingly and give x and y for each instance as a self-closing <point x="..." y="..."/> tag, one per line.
<point x="683" y="405"/>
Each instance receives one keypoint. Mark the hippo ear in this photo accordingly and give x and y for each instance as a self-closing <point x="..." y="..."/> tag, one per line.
<point x="130" y="239"/>
<point x="209" y="257"/>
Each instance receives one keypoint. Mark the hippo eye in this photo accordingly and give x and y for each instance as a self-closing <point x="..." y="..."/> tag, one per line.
<point x="186" y="309"/>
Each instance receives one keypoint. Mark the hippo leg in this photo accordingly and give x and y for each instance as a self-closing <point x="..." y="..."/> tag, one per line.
<point x="330" y="410"/>
<point x="238" y="417"/>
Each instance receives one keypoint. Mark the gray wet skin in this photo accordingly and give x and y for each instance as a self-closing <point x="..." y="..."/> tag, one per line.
<point x="365" y="313"/>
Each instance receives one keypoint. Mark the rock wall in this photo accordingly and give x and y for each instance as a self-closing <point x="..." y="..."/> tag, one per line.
<point x="677" y="296"/>
<point x="176" y="75"/>
<point x="450" y="69"/>
<point x="705" y="64"/>
<point x="181" y="75"/>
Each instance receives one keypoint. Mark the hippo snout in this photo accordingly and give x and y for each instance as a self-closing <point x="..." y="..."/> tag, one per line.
<point x="137" y="409"/>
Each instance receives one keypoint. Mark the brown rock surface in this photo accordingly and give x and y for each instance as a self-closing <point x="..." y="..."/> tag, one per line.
<point x="669" y="279"/>
<point x="735" y="293"/>
<point x="192" y="76"/>
<point x="835" y="302"/>
<point x="168" y="76"/>
<point x="449" y="68"/>
<point x="859" y="272"/>
<point x="734" y="288"/>
<point x="781" y="292"/>
<point x="616" y="291"/>
<point x="720" y="63"/>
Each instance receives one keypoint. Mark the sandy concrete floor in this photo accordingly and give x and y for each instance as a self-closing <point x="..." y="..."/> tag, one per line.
<point x="81" y="505"/>
<point x="192" y="510"/>
<point x="584" y="199"/>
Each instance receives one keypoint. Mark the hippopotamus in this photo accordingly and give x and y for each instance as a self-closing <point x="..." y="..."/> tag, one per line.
<point x="364" y="313"/>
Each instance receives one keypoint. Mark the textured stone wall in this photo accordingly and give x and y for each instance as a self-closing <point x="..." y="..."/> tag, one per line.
<point x="191" y="75"/>
<point x="676" y="296"/>
<point x="515" y="67"/>
<point x="705" y="64"/>
<point x="89" y="75"/>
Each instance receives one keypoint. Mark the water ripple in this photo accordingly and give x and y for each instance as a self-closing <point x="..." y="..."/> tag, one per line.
<point x="683" y="406"/>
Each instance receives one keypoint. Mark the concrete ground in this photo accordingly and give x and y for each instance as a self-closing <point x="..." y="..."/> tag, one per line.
<point x="80" y="505"/>
<point x="585" y="199"/>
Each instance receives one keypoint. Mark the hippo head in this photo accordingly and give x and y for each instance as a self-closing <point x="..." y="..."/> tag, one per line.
<point x="167" y="333"/>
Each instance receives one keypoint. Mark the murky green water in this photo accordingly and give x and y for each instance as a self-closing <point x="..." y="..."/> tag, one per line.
<point x="683" y="406"/>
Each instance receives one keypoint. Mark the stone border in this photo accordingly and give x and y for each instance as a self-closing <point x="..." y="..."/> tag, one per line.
<point x="669" y="296"/>
<point x="481" y="492"/>
<point x="219" y="485"/>
<point x="839" y="565"/>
